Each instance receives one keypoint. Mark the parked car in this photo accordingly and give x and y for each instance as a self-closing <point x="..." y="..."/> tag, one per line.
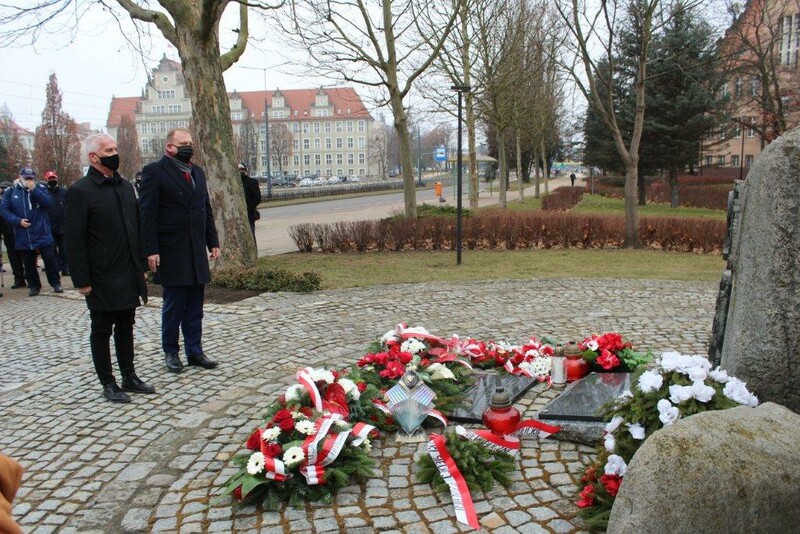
<point x="335" y="180"/>
<point x="320" y="181"/>
<point x="306" y="182"/>
<point x="353" y="179"/>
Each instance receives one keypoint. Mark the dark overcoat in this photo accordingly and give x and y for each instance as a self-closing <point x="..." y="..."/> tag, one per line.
<point x="103" y="242"/>
<point x="56" y="210"/>
<point x="177" y="223"/>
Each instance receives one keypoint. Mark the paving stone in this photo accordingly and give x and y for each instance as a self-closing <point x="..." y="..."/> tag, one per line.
<point x="492" y="521"/>
<point x="542" y="513"/>
<point x="136" y="520"/>
<point x="516" y="518"/>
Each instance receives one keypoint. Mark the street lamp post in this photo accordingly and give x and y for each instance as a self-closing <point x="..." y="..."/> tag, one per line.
<point x="419" y="158"/>
<point x="266" y="138"/>
<point x="461" y="89"/>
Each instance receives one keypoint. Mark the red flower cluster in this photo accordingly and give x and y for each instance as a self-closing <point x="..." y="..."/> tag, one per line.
<point x="392" y="364"/>
<point x="608" y="345"/>
<point x="334" y="399"/>
<point x="587" y="497"/>
<point x="283" y="420"/>
<point x="611" y="484"/>
<point x="607" y="360"/>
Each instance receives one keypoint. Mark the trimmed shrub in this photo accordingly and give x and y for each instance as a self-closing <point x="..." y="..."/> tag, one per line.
<point x="262" y="278"/>
<point x="562" y="198"/>
<point x="303" y="236"/>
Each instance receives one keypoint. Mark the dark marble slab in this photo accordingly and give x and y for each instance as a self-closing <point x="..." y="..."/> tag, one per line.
<point x="582" y="400"/>
<point x="477" y="397"/>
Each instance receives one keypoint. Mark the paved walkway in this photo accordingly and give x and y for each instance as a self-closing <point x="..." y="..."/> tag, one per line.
<point x="153" y="465"/>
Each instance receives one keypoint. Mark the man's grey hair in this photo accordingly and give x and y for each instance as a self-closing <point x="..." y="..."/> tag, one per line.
<point x="92" y="144"/>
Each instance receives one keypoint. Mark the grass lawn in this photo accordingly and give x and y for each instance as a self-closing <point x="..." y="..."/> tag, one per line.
<point x="616" y="206"/>
<point x="359" y="270"/>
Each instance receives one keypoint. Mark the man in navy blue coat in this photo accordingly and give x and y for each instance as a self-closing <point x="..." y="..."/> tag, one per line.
<point x="24" y="206"/>
<point x="178" y="233"/>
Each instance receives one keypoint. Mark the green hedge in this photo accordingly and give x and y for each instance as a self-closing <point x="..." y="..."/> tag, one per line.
<point x="262" y="278"/>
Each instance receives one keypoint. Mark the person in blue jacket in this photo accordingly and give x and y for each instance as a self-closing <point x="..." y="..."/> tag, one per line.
<point x="24" y="206"/>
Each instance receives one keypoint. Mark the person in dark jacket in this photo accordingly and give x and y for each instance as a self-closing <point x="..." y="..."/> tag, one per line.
<point x="137" y="183"/>
<point x="25" y="207"/>
<point x="14" y="256"/>
<point x="178" y="228"/>
<point x="252" y="197"/>
<point x="101" y="233"/>
<point x="56" y="214"/>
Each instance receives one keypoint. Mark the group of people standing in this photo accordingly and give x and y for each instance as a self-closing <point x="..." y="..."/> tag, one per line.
<point x="112" y="236"/>
<point x="31" y="224"/>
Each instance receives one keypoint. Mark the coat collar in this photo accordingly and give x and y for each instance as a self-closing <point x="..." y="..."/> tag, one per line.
<point x="177" y="174"/>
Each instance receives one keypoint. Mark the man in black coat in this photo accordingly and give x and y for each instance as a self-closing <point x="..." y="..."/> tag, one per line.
<point x="178" y="229"/>
<point x="252" y="197"/>
<point x="55" y="212"/>
<point x="101" y="233"/>
<point x="14" y="257"/>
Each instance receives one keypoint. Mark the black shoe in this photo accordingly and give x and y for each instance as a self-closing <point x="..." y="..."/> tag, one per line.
<point x="65" y="272"/>
<point x="58" y="289"/>
<point x="18" y="285"/>
<point x="134" y="384"/>
<point x="32" y="292"/>
<point x="112" y="393"/>
<point x="200" y="360"/>
<point x="174" y="364"/>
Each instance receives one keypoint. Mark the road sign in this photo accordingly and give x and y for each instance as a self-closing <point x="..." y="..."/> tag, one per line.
<point x="441" y="154"/>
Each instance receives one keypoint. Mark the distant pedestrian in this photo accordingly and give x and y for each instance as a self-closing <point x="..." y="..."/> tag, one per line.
<point x="252" y="197"/>
<point x="14" y="256"/>
<point x="56" y="214"/>
<point x="101" y="231"/>
<point x="178" y="229"/>
<point x="25" y="206"/>
<point x="137" y="183"/>
<point x="572" y="179"/>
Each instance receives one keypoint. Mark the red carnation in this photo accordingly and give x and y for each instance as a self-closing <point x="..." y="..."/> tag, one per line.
<point x="611" y="341"/>
<point x="393" y="370"/>
<point x="305" y="410"/>
<point x="587" y="497"/>
<point x="254" y="441"/>
<point x="237" y="494"/>
<point x="607" y="360"/>
<point x="611" y="484"/>
<point x="273" y="450"/>
<point x="286" y="425"/>
<point x="589" y="476"/>
<point x="406" y="357"/>
<point x="361" y="386"/>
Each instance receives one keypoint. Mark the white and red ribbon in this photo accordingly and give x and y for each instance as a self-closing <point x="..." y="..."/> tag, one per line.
<point x="304" y="377"/>
<point x="459" y="491"/>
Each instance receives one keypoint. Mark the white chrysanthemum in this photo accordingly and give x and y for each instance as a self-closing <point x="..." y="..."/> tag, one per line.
<point x="625" y="395"/>
<point x="701" y="391"/>
<point x="350" y="388"/>
<point x="736" y="390"/>
<point x="592" y="344"/>
<point x="678" y="393"/>
<point x="613" y="425"/>
<point x="440" y="372"/>
<point x="270" y="434"/>
<point x="650" y="381"/>
<point x="540" y="367"/>
<point x="637" y="431"/>
<point x="294" y="392"/>
<point x="256" y="463"/>
<point x="367" y="444"/>
<point x="675" y="361"/>
<point x="342" y="424"/>
<point x="609" y="442"/>
<point x="293" y="456"/>
<point x="412" y="345"/>
<point x="320" y="375"/>
<point x="667" y="413"/>
<point x="391" y="335"/>
<point x="615" y="466"/>
<point x="306" y="427"/>
<point x="697" y="374"/>
<point x="719" y="375"/>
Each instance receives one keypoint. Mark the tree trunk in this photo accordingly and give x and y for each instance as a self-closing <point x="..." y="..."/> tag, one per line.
<point x="211" y="117"/>
<point x="474" y="186"/>
<point x="673" y="188"/>
<point x="545" y="169"/>
<point x="520" y="184"/>
<point x="631" y="213"/>
<point x="536" y="171"/>
<point x="501" y="171"/>
<point x="401" y="127"/>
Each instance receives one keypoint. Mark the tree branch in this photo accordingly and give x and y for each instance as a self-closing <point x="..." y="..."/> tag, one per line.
<point x="232" y="56"/>
<point x="156" y="17"/>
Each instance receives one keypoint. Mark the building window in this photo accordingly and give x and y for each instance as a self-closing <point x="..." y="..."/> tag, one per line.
<point x="263" y="145"/>
<point x="279" y="114"/>
<point x="736" y="130"/>
<point x="263" y="161"/>
<point x="748" y="160"/>
<point x="295" y="127"/>
<point x="362" y="142"/>
<point x="350" y="142"/>
<point x="236" y="116"/>
<point x="339" y="172"/>
<point x="327" y="127"/>
<point x="307" y="160"/>
<point x="145" y="145"/>
<point x="338" y="142"/>
<point x="720" y="160"/>
<point x="305" y="127"/>
<point x="316" y="128"/>
<point x="789" y="30"/>
<point x="317" y="160"/>
<point x="350" y="160"/>
<point x="329" y="172"/>
<point x="165" y="94"/>
<point x="328" y="159"/>
<point x="306" y="144"/>
<point x="296" y="144"/>
<point x="723" y="134"/>
<point x="362" y="172"/>
<point x="738" y="87"/>
<point x="725" y="89"/>
<point x="339" y="127"/>
<point x="328" y="143"/>
<point x="349" y="126"/>
<point x="350" y="171"/>
<point x="754" y="84"/>
<point x="143" y="128"/>
<point x="734" y="161"/>
<point x="709" y="161"/>
<point x="296" y="161"/>
<point x="317" y="144"/>
<point x="362" y="158"/>
<point x="751" y="131"/>
<point x="362" y="126"/>
<point x="338" y="159"/>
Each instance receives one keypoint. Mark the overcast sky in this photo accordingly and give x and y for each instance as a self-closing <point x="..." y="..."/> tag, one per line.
<point x="98" y="63"/>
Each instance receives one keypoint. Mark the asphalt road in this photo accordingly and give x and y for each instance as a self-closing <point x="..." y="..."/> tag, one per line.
<point x="272" y="231"/>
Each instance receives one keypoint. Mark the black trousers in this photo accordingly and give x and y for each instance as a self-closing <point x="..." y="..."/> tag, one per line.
<point x="50" y="267"/>
<point x="14" y="258"/>
<point x="102" y="323"/>
<point x="58" y="250"/>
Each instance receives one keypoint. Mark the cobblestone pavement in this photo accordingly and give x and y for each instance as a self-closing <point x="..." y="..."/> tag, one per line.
<point x="154" y="464"/>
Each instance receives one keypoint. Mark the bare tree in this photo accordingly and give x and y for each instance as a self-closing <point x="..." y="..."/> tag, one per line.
<point x="595" y="30"/>
<point x="56" y="147"/>
<point x="760" y="58"/>
<point x="379" y="149"/>
<point x="130" y="154"/>
<point x="281" y="143"/>
<point x="193" y="29"/>
<point x="384" y="44"/>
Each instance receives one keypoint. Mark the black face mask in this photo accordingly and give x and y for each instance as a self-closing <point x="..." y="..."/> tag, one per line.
<point x="52" y="184"/>
<point x="110" y="162"/>
<point x="184" y="153"/>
